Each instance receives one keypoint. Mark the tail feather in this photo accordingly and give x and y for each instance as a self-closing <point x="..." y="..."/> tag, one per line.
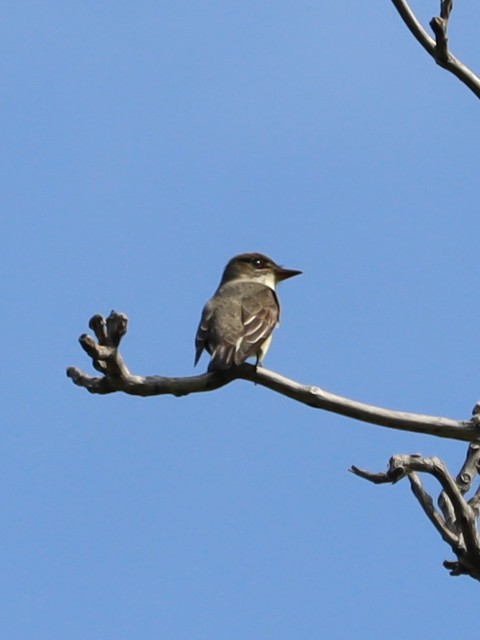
<point x="222" y="357"/>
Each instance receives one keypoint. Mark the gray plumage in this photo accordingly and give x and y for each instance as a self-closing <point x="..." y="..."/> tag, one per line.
<point x="250" y="324"/>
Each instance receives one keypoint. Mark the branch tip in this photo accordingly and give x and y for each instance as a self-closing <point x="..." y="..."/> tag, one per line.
<point x="116" y="327"/>
<point x="98" y="326"/>
<point x="446" y="7"/>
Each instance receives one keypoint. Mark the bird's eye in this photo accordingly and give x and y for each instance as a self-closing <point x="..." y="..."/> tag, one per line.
<point x="259" y="263"/>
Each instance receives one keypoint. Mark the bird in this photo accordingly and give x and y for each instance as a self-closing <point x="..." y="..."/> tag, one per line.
<point x="238" y="321"/>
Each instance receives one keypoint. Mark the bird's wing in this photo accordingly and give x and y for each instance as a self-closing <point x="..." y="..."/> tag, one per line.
<point x="202" y="332"/>
<point x="259" y="318"/>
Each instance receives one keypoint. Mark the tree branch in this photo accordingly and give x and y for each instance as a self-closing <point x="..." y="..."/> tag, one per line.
<point x="458" y="523"/>
<point x="432" y="514"/>
<point x="117" y="377"/>
<point x="438" y="48"/>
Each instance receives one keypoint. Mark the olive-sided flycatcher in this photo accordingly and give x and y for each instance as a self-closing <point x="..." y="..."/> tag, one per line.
<point x="237" y="323"/>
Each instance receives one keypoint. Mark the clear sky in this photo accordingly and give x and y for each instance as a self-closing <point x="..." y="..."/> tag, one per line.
<point x="145" y="143"/>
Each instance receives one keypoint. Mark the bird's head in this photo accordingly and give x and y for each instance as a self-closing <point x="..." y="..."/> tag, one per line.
<point x="256" y="267"/>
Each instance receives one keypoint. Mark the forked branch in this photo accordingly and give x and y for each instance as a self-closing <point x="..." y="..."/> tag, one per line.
<point x="116" y="376"/>
<point x="456" y="518"/>
<point x="438" y="47"/>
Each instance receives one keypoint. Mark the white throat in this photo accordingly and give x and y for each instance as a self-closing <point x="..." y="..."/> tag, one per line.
<point x="267" y="279"/>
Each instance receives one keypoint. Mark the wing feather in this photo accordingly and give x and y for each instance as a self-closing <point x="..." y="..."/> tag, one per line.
<point x="260" y="317"/>
<point x="203" y="331"/>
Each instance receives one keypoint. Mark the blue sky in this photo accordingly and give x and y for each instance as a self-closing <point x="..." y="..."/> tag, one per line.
<point x="144" y="144"/>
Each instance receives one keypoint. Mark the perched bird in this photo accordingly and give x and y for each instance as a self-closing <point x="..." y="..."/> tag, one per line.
<point x="237" y="323"/>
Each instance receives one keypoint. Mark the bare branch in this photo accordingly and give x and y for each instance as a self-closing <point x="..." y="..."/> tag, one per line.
<point x="475" y="502"/>
<point x="463" y="481"/>
<point x="382" y="477"/>
<point x="469" y="469"/>
<point x="446" y="7"/>
<point x="448" y="512"/>
<point x="438" y="48"/>
<point x="426" y="502"/>
<point x="458" y="524"/>
<point x="439" y="28"/>
<point x="117" y="377"/>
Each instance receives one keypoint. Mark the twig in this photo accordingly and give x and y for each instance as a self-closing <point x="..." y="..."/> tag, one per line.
<point x="463" y="481"/>
<point x="438" y="48"/>
<point x="439" y="26"/>
<point x="470" y="468"/>
<point x="432" y="514"/>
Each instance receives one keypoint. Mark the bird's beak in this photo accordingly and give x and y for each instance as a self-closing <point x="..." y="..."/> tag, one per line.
<point x="283" y="274"/>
